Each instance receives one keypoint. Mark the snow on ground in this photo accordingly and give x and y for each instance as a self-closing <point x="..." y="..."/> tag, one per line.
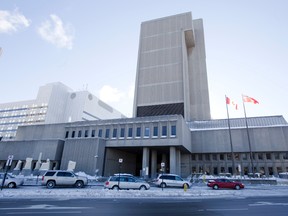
<point x="154" y="192"/>
<point x="95" y="189"/>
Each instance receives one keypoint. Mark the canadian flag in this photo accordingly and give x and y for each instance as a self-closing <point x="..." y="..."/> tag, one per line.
<point x="249" y="99"/>
<point x="231" y="102"/>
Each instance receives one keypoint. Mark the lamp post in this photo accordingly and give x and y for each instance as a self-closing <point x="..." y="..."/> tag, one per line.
<point x="162" y="171"/>
<point x="120" y="163"/>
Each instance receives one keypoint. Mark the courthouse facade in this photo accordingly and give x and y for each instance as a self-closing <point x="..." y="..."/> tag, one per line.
<point x="171" y="123"/>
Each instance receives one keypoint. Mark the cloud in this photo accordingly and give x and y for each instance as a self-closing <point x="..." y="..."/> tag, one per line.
<point x="55" y="32"/>
<point x="12" y="21"/>
<point x="110" y="94"/>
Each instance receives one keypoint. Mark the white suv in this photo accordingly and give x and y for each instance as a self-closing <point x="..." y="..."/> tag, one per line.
<point x="54" y="178"/>
<point x="171" y="180"/>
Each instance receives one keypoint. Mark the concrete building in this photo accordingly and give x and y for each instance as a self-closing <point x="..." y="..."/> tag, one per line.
<point x="171" y="73"/>
<point x="55" y="103"/>
<point x="145" y="142"/>
<point x="172" y="124"/>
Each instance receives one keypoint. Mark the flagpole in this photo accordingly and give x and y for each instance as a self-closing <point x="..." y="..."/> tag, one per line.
<point x="230" y="136"/>
<point x="248" y="136"/>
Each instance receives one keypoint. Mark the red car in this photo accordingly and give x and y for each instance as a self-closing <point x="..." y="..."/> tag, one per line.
<point x="224" y="183"/>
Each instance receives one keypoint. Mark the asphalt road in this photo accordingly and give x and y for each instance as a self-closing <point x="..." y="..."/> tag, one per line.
<point x="256" y="206"/>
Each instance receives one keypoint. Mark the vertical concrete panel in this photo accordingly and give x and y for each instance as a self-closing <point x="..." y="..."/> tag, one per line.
<point x="153" y="163"/>
<point x="173" y="160"/>
<point x="145" y="162"/>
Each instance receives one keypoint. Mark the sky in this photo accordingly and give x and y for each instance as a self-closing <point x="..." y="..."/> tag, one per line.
<point x="93" y="45"/>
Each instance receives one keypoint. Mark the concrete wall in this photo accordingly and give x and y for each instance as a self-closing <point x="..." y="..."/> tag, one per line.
<point x="83" y="152"/>
<point x="47" y="131"/>
<point x="198" y="78"/>
<point x="50" y="149"/>
<point x="265" y="139"/>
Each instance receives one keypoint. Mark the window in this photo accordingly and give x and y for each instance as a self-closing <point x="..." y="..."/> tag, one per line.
<point x="122" y="132"/>
<point x="100" y="133"/>
<point x="285" y="156"/>
<point x="260" y="156"/>
<point x="155" y="131"/>
<point x="86" y="133"/>
<point x="268" y="156"/>
<point x="214" y="156"/>
<point x="221" y="156"/>
<point x="67" y="134"/>
<point x="173" y="130"/>
<point x="164" y="131"/>
<point x="130" y="132"/>
<point x="138" y="132"/>
<point x="107" y="133"/>
<point x="276" y="155"/>
<point x="79" y="133"/>
<point x="114" y="133"/>
<point x="147" y="132"/>
<point x="73" y="134"/>
<point x="93" y="133"/>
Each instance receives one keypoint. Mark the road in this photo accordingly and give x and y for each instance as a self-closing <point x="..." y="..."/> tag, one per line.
<point x="256" y="206"/>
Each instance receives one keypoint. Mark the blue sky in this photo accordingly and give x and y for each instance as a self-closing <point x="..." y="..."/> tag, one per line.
<point x="93" y="45"/>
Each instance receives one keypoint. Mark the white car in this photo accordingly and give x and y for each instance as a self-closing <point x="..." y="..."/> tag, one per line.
<point x="126" y="182"/>
<point x="171" y="180"/>
<point x="53" y="178"/>
<point x="10" y="181"/>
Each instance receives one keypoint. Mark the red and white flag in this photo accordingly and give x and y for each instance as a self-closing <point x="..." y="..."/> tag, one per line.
<point x="231" y="102"/>
<point x="249" y="99"/>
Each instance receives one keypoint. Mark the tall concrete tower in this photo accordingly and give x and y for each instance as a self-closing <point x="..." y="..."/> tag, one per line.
<point x="171" y="70"/>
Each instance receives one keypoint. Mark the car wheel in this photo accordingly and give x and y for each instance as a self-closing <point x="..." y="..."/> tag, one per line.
<point x="79" y="184"/>
<point x="163" y="185"/>
<point x="142" y="187"/>
<point x="50" y="184"/>
<point x="237" y="187"/>
<point x="185" y="186"/>
<point x="115" y="187"/>
<point x="215" y="187"/>
<point x="11" y="185"/>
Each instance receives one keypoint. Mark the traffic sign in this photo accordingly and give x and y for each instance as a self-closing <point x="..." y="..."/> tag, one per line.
<point x="9" y="160"/>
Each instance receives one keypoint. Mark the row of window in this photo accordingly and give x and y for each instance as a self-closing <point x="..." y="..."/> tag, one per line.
<point x="240" y="156"/>
<point x="123" y="132"/>
<point x="23" y="114"/>
<point x="24" y="107"/>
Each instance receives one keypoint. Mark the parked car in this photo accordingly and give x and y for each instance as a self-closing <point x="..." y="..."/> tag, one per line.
<point x="53" y="178"/>
<point x="171" y="180"/>
<point x="11" y="181"/>
<point x="225" y="183"/>
<point x="117" y="182"/>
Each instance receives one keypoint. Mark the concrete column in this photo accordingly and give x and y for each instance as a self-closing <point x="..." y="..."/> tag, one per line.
<point x="154" y="164"/>
<point x="178" y="162"/>
<point x="145" y="162"/>
<point x="173" y="160"/>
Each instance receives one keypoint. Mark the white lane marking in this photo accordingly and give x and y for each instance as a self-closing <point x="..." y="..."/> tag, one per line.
<point x="241" y="209"/>
<point x="33" y="212"/>
<point x="268" y="204"/>
<point x="44" y="206"/>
